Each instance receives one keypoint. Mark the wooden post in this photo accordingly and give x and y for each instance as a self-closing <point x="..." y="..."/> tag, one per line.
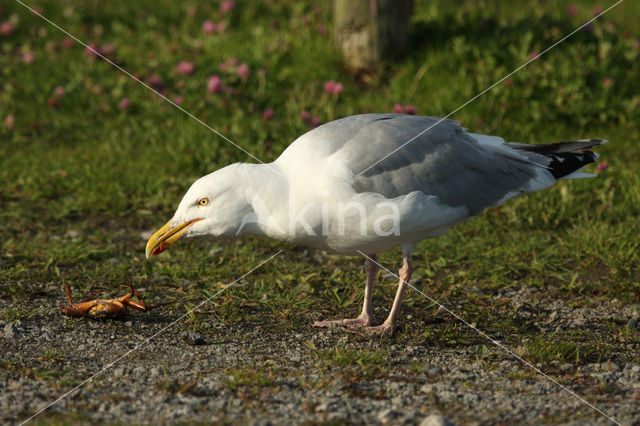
<point x="368" y="32"/>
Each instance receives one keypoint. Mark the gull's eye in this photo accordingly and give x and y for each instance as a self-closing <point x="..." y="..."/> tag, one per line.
<point x="203" y="202"/>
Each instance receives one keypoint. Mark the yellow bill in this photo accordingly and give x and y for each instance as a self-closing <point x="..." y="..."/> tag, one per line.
<point x="166" y="236"/>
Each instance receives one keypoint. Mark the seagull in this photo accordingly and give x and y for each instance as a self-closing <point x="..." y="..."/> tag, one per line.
<point x="364" y="184"/>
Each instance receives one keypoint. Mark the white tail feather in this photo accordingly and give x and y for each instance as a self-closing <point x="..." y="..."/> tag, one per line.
<point x="578" y="175"/>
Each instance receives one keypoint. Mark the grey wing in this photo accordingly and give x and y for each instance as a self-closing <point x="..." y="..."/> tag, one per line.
<point x="445" y="161"/>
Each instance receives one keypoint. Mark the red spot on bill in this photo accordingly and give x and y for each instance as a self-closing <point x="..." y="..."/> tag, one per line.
<point x="161" y="247"/>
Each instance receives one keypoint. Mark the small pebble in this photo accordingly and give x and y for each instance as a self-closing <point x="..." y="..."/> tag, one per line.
<point x="14" y="385"/>
<point x="385" y="415"/>
<point x="321" y="407"/>
<point x="428" y="388"/>
<point x="434" y="419"/>
<point x="215" y="250"/>
<point x="11" y="331"/>
<point x="433" y="370"/>
<point x="566" y="367"/>
<point x="155" y="372"/>
<point x="193" y="338"/>
<point x="73" y="234"/>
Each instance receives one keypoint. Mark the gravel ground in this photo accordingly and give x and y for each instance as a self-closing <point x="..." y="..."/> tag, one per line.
<point x="253" y="372"/>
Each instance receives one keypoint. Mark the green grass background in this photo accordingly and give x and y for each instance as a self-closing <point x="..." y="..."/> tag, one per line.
<point x="81" y="180"/>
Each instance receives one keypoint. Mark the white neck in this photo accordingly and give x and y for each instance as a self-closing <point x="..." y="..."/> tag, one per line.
<point x="265" y="188"/>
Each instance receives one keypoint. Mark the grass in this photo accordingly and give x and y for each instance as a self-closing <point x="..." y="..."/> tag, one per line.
<point x="81" y="178"/>
<point x="554" y="347"/>
<point x="51" y="355"/>
<point x="345" y="357"/>
<point x="260" y="377"/>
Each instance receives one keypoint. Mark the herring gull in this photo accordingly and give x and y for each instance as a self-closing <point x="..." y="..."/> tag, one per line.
<point x="336" y="188"/>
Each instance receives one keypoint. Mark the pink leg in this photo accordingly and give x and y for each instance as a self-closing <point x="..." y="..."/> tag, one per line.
<point x="366" y="317"/>
<point x="388" y="326"/>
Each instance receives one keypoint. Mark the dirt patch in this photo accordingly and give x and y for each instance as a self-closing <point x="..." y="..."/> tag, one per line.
<point x="258" y="371"/>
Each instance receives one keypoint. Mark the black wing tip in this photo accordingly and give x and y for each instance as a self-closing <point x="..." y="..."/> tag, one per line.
<point x="565" y="163"/>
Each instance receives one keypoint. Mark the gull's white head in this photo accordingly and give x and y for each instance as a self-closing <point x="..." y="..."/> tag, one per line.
<point x="214" y="206"/>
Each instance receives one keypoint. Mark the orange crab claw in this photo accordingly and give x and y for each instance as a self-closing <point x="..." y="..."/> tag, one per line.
<point x="126" y="300"/>
<point x="67" y="291"/>
<point x="71" y="311"/>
